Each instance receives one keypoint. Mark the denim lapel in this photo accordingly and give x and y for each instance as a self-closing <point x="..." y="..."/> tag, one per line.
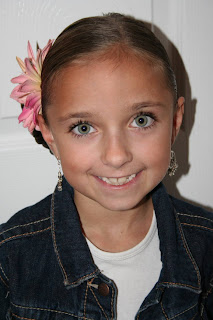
<point x="75" y="260"/>
<point x="179" y="267"/>
<point x="70" y="246"/>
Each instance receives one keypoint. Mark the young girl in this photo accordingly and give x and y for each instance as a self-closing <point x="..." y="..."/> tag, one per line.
<point x="109" y="243"/>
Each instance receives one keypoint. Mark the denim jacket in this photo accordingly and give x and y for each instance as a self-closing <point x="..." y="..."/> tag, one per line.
<point x="47" y="271"/>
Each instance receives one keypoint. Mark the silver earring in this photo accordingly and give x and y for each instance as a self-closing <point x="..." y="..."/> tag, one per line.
<point x="59" y="186"/>
<point x="173" y="164"/>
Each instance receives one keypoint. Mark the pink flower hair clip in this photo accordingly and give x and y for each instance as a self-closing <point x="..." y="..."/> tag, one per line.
<point x="28" y="90"/>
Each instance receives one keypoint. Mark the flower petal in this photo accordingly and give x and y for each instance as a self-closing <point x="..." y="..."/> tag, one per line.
<point x="30" y="70"/>
<point x="46" y="49"/>
<point x="37" y="128"/>
<point x="21" y="64"/>
<point x="31" y="127"/>
<point x="28" y="90"/>
<point x="27" y="122"/>
<point x="25" y="114"/>
<point x="16" y="93"/>
<point x="19" y="79"/>
<point x="32" y="100"/>
<point x="36" y="108"/>
<point x="29" y="86"/>
<point x="27" y="118"/>
<point x="39" y="61"/>
<point x="30" y="52"/>
<point x="18" y="96"/>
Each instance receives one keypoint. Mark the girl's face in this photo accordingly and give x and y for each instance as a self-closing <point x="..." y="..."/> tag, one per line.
<point x="112" y="127"/>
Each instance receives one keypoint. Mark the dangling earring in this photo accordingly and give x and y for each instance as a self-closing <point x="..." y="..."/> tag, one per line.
<point x="173" y="164"/>
<point x="59" y="186"/>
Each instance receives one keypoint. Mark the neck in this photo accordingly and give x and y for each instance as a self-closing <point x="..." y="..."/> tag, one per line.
<point x="114" y="231"/>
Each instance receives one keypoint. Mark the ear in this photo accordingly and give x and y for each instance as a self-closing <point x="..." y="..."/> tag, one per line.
<point x="47" y="135"/>
<point x="177" y="118"/>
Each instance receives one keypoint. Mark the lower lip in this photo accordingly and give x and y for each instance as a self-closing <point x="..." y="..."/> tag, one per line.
<point x="119" y="187"/>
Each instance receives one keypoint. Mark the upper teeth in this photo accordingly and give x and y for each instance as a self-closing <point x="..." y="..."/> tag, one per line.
<point x="118" y="181"/>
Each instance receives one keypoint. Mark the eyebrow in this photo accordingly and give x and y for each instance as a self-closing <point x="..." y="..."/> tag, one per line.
<point x="86" y="114"/>
<point x="75" y="115"/>
<point x="140" y="105"/>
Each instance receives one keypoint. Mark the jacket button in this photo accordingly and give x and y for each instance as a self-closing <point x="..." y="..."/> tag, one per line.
<point x="103" y="289"/>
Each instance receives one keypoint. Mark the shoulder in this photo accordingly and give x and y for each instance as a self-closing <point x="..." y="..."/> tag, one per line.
<point x="195" y="226"/>
<point x="188" y="214"/>
<point x="27" y="221"/>
<point x="196" y="229"/>
<point x="193" y="216"/>
<point x="32" y="222"/>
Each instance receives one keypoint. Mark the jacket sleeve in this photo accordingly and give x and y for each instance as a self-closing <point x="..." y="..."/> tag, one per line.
<point x="4" y="300"/>
<point x="4" y="284"/>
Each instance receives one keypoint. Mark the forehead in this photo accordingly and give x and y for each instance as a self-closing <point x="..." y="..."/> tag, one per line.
<point x="103" y="80"/>
<point x="108" y="91"/>
<point x="118" y="55"/>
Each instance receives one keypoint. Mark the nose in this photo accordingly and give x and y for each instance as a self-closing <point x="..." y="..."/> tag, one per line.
<point x="115" y="151"/>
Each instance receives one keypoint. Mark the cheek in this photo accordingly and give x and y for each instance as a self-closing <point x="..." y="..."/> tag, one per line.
<point x="161" y="153"/>
<point x="160" y="157"/>
<point x="155" y="148"/>
<point x="76" y="156"/>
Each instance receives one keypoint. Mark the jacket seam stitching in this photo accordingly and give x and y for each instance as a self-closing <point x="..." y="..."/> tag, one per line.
<point x="112" y="313"/>
<point x="190" y="215"/>
<point x="23" y="234"/>
<point x="85" y="300"/>
<point x="24" y="225"/>
<point x="187" y="251"/>
<point x="54" y="238"/>
<point x="50" y="310"/>
<point x="179" y="284"/>
<point x="177" y="315"/>
<point x="3" y="272"/>
<point x="4" y="282"/>
<point x="56" y="249"/>
<point x="83" y="277"/>
<point x="207" y="294"/>
<point x="194" y="316"/>
<point x="99" y="303"/>
<point x="205" y="298"/>
<point x="15" y="315"/>
<point x="195" y="225"/>
<point x="112" y="303"/>
<point x="165" y="315"/>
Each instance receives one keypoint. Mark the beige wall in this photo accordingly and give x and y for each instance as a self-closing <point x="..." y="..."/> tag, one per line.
<point x="28" y="171"/>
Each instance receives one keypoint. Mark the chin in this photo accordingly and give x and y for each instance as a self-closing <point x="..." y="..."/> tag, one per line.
<point x="121" y="205"/>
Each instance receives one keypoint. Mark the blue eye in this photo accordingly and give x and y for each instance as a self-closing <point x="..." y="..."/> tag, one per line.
<point x="83" y="129"/>
<point x="142" y="121"/>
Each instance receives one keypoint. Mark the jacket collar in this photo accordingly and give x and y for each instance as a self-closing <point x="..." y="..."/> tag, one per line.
<point x="69" y="243"/>
<point x="179" y="267"/>
<point x="74" y="257"/>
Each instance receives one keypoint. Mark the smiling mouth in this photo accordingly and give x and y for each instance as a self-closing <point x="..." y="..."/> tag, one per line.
<point x="118" y="181"/>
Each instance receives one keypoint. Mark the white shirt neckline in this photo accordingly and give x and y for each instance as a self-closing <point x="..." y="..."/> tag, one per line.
<point x="104" y="255"/>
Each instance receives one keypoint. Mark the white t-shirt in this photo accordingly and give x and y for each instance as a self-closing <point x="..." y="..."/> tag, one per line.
<point x="134" y="271"/>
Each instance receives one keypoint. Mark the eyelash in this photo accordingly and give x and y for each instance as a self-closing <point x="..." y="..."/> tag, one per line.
<point x="146" y="114"/>
<point x="76" y="125"/>
<point x="80" y="122"/>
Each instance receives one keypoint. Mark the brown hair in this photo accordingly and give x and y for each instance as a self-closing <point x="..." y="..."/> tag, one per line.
<point x="97" y="35"/>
